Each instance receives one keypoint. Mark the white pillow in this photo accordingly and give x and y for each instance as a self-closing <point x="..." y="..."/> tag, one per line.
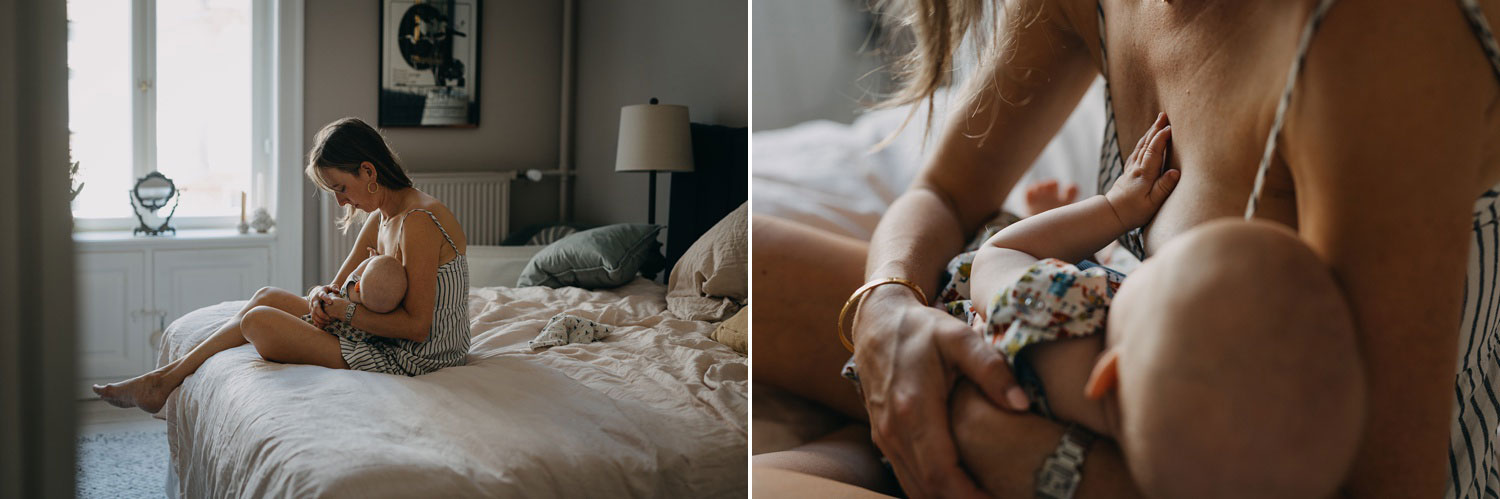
<point x="492" y="266"/>
<point x="711" y="280"/>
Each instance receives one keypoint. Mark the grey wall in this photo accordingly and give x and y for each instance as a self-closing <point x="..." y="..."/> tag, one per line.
<point x="688" y="52"/>
<point x="814" y="59"/>
<point x="519" y="95"/>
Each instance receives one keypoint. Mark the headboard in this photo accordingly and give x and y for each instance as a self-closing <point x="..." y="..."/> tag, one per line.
<point x="719" y="183"/>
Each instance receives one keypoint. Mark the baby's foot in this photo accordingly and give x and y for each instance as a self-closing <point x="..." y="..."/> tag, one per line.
<point x="148" y="391"/>
<point x="1045" y="195"/>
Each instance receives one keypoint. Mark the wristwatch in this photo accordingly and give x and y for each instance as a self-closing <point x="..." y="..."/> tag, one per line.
<point x="1059" y="475"/>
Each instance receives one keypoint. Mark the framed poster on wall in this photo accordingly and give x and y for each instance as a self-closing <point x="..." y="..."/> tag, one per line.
<point x="429" y="63"/>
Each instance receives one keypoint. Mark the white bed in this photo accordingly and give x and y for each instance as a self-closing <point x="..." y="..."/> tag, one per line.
<point x="655" y="410"/>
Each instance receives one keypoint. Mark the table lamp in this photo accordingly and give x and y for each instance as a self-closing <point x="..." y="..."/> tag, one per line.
<point x="654" y="138"/>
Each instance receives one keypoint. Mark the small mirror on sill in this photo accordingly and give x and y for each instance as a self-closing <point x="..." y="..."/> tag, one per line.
<point x="152" y="192"/>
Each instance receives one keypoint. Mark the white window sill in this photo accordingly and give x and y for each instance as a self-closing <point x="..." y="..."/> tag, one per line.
<point x="195" y="238"/>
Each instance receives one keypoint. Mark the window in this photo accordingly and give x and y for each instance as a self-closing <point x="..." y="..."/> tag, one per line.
<point x="176" y="86"/>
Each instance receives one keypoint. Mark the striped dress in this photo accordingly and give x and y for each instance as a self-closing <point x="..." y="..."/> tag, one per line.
<point x="448" y="342"/>
<point x="1474" y="469"/>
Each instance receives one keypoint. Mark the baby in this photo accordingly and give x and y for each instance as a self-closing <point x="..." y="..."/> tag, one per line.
<point x="378" y="283"/>
<point x="1229" y="367"/>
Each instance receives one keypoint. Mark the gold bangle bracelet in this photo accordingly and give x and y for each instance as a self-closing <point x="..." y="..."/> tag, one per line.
<point x="854" y="299"/>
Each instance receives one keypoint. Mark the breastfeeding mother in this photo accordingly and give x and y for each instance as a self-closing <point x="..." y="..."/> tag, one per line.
<point x="1371" y="127"/>
<point x="429" y="331"/>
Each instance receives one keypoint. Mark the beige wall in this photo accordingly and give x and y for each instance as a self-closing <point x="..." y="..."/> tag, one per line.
<point x="519" y="92"/>
<point x="688" y="52"/>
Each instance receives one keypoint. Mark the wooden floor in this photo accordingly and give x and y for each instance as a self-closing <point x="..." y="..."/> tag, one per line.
<point x="96" y="416"/>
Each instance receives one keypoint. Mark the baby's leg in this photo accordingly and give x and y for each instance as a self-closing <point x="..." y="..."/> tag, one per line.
<point x="1246" y="380"/>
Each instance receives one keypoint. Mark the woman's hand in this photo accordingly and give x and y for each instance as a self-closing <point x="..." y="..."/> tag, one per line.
<point x="909" y="357"/>
<point x="1143" y="187"/>
<point x="334" y="306"/>
<point x="314" y="303"/>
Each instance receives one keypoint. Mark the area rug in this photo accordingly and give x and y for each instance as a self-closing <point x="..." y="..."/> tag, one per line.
<point x="123" y="464"/>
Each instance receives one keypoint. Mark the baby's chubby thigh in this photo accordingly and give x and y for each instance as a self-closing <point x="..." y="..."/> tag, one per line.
<point x="1241" y="376"/>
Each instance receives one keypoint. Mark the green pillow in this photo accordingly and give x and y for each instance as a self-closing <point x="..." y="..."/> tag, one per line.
<point x="604" y="257"/>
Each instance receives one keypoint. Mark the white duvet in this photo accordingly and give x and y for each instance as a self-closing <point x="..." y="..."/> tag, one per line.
<point x="655" y="410"/>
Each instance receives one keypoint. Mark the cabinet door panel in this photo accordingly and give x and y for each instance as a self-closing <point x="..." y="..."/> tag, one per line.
<point x="186" y="280"/>
<point x="111" y="307"/>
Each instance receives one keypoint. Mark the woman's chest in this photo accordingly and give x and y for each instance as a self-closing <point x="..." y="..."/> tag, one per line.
<point x="1219" y="86"/>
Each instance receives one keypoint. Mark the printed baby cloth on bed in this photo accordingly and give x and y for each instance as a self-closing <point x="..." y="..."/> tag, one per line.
<point x="567" y="328"/>
<point x="1053" y="300"/>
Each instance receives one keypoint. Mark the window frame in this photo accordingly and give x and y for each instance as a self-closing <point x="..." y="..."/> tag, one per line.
<point x="143" y="117"/>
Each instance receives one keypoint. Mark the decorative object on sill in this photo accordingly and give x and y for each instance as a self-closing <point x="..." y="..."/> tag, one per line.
<point x="73" y="176"/>
<point x="654" y="138"/>
<point x="262" y="221"/>
<point x="429" y="63"/>
<point x="243" y="227"/>
<point x="153" y="192"/>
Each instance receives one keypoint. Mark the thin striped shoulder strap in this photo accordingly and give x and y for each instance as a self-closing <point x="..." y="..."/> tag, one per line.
<point x="1286" y="99"/>
<point x="1482" y="29"/>
<point x="434" y="222"/>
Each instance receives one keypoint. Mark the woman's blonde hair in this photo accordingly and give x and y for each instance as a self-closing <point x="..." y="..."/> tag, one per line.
<point x="935" y="32"/>
<point x="345" y="144"/>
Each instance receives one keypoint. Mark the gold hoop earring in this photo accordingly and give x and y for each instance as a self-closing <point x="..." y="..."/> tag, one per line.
<point x="370" y="187"/>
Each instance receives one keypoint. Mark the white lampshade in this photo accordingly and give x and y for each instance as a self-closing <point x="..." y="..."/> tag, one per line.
<point x="654" y="137"/>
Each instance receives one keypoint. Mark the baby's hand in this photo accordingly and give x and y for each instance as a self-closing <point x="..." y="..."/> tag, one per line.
<point x="1142" y="187"/>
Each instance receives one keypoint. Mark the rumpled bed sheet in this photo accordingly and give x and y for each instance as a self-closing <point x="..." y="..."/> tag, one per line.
<point x="655" y="410"/>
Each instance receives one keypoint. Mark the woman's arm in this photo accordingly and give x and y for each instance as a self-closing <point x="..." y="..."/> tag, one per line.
<point x="1384" y="140"/>
<point x="360" y="252"/>
<point x="909" y="355"/>
<point x="1004" y="449"/>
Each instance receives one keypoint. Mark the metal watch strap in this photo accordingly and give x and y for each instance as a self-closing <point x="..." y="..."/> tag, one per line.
<point x="349" y="313"/>
<point x="1059" y="475"/>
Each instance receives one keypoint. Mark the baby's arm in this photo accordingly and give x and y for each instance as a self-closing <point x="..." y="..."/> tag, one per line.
<point x="1076" y="231"/>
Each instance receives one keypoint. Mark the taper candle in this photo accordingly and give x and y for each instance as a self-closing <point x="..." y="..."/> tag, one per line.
<point x="242" y="206"/>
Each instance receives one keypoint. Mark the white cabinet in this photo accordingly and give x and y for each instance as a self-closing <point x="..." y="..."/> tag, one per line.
<point x="187" y="280"/>
<point x="111" y="325"/>
<point x="130" y="288"/>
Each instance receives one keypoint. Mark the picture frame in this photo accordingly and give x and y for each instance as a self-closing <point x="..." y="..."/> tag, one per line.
<point x="429" y="63"/>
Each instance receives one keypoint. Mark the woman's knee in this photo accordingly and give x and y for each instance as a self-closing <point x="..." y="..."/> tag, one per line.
<point x="257" y="328"/>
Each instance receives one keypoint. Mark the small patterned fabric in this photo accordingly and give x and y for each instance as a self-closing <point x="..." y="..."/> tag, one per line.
<point x="1053" y="300"/>
<point x="568" y="328"/>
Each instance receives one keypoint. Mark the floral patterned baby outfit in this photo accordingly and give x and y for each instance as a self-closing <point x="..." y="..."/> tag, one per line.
<point x="1053" y="300"/>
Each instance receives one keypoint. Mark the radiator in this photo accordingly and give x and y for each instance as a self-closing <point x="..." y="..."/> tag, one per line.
<point x="481" y="201"/>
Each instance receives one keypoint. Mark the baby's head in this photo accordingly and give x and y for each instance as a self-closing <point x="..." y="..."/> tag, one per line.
<point x="382" y="286"/>
<point x="1232" y="369"/>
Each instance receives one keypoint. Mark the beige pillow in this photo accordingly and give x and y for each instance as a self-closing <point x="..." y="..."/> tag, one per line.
<point x="735" y="332"/>
<point x="711" y="280"/>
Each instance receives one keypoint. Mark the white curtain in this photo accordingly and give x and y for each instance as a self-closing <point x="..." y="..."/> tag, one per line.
<point x="36" y="255"/>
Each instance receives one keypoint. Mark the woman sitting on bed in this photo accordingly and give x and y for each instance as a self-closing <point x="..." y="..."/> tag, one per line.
<point x="428" y="331"/>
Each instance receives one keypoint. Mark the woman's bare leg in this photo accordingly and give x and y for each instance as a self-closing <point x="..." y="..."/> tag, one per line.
<point x="802" y="278"/>
<point x="149" y="391"/>
<point x="846" y="455"/>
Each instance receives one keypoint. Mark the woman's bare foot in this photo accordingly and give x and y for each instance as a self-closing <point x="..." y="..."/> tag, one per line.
<point x="1046" y="195"/>
<point x="148" y="391"/>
